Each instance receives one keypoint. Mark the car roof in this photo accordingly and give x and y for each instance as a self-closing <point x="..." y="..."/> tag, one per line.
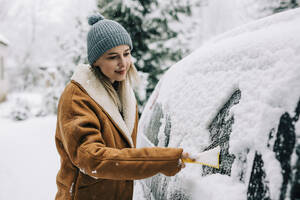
<point x="261" y="59"/>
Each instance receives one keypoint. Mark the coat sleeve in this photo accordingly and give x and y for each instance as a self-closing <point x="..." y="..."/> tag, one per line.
<point x="79" y="128"/>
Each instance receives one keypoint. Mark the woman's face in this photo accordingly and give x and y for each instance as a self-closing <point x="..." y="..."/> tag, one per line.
<point x="115" y="63"/>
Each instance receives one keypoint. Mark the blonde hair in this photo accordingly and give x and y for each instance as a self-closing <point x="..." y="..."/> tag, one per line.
<point x="117" y="95"/>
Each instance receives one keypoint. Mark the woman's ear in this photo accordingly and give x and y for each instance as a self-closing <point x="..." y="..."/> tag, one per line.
<point x="95" y="64"/>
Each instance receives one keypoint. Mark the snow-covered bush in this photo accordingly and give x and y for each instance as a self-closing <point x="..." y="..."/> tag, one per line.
<point x="21" y="110"/>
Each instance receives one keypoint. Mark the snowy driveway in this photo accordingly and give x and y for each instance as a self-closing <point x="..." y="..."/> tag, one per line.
<point x="29" y="161"/>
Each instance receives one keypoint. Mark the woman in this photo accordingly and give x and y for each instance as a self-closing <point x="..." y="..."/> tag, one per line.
<point x="97" y="124"/>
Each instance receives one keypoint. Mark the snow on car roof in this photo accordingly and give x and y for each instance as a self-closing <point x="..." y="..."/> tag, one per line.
<point x="261" y="59"/>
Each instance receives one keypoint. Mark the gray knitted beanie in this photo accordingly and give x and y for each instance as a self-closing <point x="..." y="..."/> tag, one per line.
<point x="104" y="35"/>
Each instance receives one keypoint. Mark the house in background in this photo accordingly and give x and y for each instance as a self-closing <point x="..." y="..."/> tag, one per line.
<point x="3" y="80"/>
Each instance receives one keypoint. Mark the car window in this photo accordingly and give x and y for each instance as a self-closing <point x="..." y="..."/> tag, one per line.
<point x="151" y="128"/>
<point x="160" y="188"/>
<point x="283" y="144"/>
<point x="167" y="129"/>
<point x="220" y="130"/>
<point x="158" y="128"/>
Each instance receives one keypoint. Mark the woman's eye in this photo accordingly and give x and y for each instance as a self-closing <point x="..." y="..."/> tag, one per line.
<point x="111" y="58"/>
<point x="114" y="57"/>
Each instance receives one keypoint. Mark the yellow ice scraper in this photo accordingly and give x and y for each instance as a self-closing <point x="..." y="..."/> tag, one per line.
<point x="209" y="158"/>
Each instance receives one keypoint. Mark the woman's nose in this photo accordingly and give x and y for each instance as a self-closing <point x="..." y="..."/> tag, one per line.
<point x="122" y="62"/>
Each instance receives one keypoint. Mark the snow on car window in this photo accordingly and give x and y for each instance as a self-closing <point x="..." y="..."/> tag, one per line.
<point x="158" y="127"/>
<point x="154" y="124"/>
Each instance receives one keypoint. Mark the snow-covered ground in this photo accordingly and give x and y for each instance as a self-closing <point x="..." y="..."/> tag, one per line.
<point x="29" y="161"/>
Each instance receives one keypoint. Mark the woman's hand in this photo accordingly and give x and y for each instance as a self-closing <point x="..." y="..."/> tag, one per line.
<point x="184" y="155"/>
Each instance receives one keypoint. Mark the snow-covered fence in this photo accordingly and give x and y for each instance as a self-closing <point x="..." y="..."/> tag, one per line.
<point x="3" y="82"/>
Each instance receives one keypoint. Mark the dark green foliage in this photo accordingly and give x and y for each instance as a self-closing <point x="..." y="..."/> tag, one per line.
<point x="149" y="33"/>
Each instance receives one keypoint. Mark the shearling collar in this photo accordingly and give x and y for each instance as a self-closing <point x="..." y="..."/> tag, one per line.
<point x="86" y="78"/>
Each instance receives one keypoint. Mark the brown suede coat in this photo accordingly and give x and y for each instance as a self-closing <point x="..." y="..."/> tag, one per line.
<point x="97" y="145"/>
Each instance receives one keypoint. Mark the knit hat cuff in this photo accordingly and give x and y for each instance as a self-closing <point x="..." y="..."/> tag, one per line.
<point x="107" y="43"/>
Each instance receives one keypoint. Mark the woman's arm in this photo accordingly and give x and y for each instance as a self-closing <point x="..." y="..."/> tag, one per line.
<point x="79" y="129"/>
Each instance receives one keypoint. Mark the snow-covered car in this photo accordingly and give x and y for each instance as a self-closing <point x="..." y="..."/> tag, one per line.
<point x="239" y="91"/>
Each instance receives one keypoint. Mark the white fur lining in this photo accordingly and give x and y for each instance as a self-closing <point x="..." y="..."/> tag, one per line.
<point x="86" y="78"/>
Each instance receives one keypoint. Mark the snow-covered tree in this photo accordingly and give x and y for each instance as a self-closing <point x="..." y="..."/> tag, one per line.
<point x="47" y="40"/>
<point x="155" y="43"/>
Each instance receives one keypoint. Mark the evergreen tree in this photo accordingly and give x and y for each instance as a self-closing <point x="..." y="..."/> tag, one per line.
<point x="153" y="39"/>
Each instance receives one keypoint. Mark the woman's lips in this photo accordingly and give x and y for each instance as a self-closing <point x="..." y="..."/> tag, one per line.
<point x="120" y="72"/>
